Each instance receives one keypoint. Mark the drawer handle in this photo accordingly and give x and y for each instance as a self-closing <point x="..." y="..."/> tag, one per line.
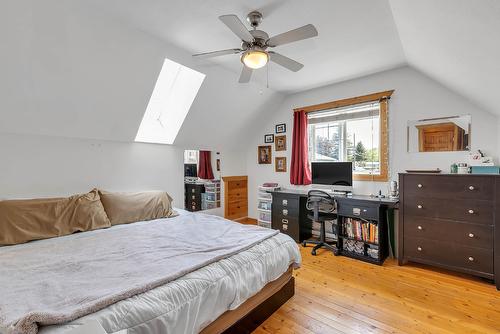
<point x="284" y="221"/>
<point x="419" y="227"/>
<point x="471" y="211"/>
<point x="285" y="202"/>
<point x="419" y="185"/>
<point x="471" y="235"/>
<point x="419" y="248"/>
<point x="285" y="227"/>
<point x="471" y="259"/>
<point x="419" y="206"/>
<point x="285" y="212"/>
<point x="471" y="188"/>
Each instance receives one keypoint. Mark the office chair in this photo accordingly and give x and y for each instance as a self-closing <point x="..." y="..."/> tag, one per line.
<point x="323" y="209"/>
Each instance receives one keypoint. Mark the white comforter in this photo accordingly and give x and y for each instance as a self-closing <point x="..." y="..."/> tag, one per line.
<point x="205" y="239"/>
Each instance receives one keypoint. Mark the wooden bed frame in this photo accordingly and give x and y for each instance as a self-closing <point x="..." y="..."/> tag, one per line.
<point x="254" y="311"/>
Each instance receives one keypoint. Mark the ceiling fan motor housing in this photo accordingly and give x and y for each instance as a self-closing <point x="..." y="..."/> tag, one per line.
<point x="260" y="37"/>
<point x="254" y="18"/>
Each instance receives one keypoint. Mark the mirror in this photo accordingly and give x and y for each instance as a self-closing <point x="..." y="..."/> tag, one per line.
<point x="439" y="134"/>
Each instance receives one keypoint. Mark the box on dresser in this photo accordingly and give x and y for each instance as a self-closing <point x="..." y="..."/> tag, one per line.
<point x="449" y="221"/>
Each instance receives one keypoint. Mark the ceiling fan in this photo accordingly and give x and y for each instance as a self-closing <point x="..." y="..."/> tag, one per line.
<point x="253" y="50"/>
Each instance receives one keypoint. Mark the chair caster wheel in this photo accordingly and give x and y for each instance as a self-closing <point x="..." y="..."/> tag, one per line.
<point x="304" y="244"/>
<point x="313" y="252"/>
<point x="336" y="253"/>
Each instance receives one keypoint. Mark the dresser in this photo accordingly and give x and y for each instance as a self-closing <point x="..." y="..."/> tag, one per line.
<point x="289" y="215"/>
<point x="235" y="197"/>
<point x="449" y="221"/>
<point x="192" y="196"/>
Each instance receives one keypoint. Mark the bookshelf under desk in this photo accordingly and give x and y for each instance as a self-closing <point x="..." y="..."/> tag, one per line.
<point x="289" y="215"/>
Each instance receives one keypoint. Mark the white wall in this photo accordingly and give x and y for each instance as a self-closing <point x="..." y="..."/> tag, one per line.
<point x="71" y="70"/>
<point x="416" y="96"/>
<point x="42" y="166"/>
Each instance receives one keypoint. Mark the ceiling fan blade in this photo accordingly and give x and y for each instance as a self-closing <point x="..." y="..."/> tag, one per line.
<point x="286" y="62"/>
<point x="236" y="26"/>
<point x="246" y="74"/>
<point x="294" y="35"/>
<point x="217" y="53"/>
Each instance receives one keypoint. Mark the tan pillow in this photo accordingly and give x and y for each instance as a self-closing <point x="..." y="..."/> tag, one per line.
<point x="34" y="219"/>
<point x="124" y="208"/>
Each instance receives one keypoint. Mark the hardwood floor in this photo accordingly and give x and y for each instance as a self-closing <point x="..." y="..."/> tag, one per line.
<point x="342" y="295"/>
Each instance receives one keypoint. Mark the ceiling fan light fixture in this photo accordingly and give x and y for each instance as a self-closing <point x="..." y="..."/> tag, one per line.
<point x="255" y="59"/>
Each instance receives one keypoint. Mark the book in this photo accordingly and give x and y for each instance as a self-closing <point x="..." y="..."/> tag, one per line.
<point x="360" y="230"/>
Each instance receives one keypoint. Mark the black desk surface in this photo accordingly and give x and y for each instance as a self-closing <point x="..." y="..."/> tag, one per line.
<point x="390" y="202"/>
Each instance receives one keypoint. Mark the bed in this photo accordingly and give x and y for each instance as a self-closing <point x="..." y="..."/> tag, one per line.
<point x="243" y="282"/>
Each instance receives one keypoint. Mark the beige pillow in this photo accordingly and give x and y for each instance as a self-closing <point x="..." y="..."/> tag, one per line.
<point x="124" y="208"/>
<point x="33" y="219"/>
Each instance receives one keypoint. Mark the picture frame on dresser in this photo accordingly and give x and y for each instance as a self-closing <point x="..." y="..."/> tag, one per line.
<point x="450" y="221"/>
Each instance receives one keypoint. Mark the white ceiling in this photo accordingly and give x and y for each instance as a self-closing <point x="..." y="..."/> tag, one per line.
<point x="356" y="37"/>
<point x="86" y="68"/>
<point x="456" y="42"/>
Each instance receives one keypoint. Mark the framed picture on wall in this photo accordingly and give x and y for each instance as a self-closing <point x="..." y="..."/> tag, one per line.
<point x="264" y="154"/>
<point x="280" y="143"/>
<point x="281" y="128"/>
<point x="280" y="164"/>
<point x="268" y="139"/>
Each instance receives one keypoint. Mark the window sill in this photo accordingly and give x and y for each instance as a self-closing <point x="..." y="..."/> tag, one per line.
<point x="366" y="177"/>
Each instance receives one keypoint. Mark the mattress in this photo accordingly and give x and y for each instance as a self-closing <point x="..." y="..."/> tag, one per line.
<point x="191" y="302"/>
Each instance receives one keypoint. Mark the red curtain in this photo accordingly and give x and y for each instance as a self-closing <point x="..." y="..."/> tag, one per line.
<point x="300" y="172"/>
<point x="205" y="166"/>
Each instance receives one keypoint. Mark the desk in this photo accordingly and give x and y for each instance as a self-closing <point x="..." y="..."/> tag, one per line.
<point x="289" y="215"/>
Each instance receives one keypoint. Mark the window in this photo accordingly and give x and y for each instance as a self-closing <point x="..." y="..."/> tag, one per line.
<point x="172" y="97"/>
<point x="352" y="130"/>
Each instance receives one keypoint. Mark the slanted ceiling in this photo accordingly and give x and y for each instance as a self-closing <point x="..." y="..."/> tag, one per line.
<point x="69" y="69"/>
<point x="455" y="42"/>
<point x="86" y="68"/>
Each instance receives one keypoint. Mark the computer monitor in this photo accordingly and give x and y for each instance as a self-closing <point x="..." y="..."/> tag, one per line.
<point x="190" y="170"/>
<point x="336" y="174"/>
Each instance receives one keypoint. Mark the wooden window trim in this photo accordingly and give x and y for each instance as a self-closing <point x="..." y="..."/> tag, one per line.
<point x="383" y="98"/>
<point x="347" y="102"/>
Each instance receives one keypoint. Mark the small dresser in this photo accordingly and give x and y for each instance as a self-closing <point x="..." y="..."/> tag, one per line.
<point x="289" y="215"/>
<point x="235" y="197"/>
<point x="192" y="196"/>
<point x="448" y="221"/>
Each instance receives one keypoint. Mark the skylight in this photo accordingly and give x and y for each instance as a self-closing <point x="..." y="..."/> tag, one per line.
<point x="172" y="97"/>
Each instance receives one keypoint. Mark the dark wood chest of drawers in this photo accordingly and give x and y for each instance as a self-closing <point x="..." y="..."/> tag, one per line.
<point x="192" y="196"/>
<point x="289" y="216"/>
<point x="449" y="221"/>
